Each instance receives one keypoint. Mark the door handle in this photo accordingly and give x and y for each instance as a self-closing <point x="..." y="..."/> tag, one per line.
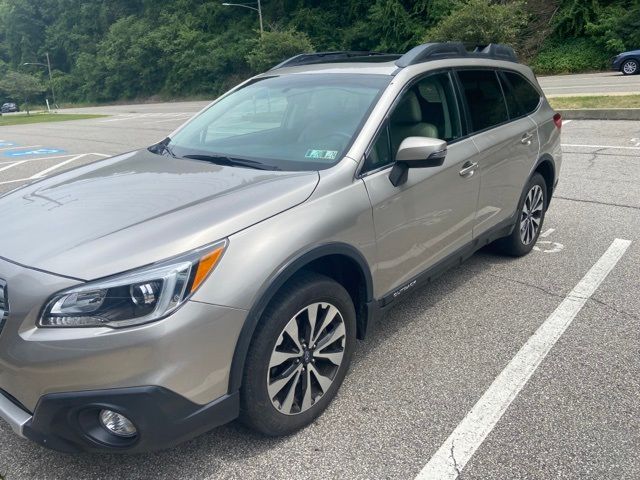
<point x="526" y="139"/>
<point x="468" y="169"/>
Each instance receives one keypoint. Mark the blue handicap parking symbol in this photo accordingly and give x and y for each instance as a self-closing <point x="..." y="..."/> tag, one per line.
<point x="6" y="144"/>
<point x="26" y="153"/>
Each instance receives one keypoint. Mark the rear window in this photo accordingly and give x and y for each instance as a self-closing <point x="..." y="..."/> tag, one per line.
<point x="524" y="93"/>
<point x="484" y="97"/>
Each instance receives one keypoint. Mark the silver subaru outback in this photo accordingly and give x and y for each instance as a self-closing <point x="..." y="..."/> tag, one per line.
<point x="228" y="270"/>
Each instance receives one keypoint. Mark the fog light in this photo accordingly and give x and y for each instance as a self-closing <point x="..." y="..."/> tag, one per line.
<point x="117" y="424"/>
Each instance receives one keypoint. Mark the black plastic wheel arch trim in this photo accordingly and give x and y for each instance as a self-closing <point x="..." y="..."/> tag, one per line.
<point x="284" y="273"/>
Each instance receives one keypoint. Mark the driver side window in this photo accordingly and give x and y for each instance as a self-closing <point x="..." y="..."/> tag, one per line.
<point x="428" y="109"/>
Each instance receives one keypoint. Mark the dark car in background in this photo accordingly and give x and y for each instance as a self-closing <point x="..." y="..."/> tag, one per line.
<point x="627" y="62"/>
<point x="9" y="107"/>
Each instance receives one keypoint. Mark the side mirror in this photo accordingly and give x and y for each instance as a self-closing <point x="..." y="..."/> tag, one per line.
<point x="417" y="152"/>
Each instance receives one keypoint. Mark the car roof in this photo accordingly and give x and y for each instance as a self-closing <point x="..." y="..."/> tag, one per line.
<point x="391" y="69"/>
<point x="361" y="68"/>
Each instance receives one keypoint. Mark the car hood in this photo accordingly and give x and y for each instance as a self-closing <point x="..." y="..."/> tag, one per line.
<point x="136" y="209"/>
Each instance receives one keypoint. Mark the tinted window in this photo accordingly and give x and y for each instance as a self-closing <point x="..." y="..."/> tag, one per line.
<point x="525" y="93"/>
<point x="516" y="110"/>
<point x="484" y="97"/>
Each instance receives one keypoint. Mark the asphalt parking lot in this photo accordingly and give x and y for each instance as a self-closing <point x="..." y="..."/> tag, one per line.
<point x="437" y="354"/>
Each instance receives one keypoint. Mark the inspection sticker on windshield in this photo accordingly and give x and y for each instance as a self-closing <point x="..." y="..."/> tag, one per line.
<point x="324" y="154"/>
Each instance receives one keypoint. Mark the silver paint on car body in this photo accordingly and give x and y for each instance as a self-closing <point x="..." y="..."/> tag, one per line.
<point x="136" y="209"/>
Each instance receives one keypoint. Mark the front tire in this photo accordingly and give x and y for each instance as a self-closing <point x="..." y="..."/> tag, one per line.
<point x="299" y="355"/>
<point x="531" y="213"/>
<point x="630" y="67"/>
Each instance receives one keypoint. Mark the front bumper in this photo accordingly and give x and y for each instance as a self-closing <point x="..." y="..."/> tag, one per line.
<point x="68" y="422"/>
<point x="13" y="413"/>
<point x="616" y="64"/>
<point x="186" y="356"/>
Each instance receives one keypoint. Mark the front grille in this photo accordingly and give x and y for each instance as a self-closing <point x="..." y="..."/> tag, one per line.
<point x="4" y="304"/>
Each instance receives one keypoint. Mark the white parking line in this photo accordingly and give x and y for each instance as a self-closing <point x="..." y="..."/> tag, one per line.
<point x="123" y="117"/>
<point x="16" y="147"/>
<point x="35" y="159"/>
<point x="119" y="118"/>
<point x="17" y="180"/>
<point x="547" y="233"/>
<point x="175" y="119"/>
<point x="566" y="122"/>
<point x="44" y="172"/>
<point x="451" y="458"/>
<point x="56" y="166"/>
<point x="600" y="146"/>
<point x="11" y="165"/>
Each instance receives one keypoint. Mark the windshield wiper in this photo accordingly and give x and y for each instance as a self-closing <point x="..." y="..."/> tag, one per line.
<point x="162" y="147"/>
<point x="231" y="161"/>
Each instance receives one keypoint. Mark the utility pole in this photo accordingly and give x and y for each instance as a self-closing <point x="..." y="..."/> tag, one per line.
<point x="244" y="5"/>
<point x="48" y="66"/>
<point x="53" y="94"/>
<point x="260" y="16"/>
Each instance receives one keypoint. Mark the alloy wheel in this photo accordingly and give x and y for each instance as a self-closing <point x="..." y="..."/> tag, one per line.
<point x="531" y="216"/>
<point x="630" y="67"/>
<point x="306" y="358"/>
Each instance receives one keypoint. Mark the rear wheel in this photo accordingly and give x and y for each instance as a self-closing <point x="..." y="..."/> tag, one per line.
<point x="299" y="355"/>
<point x="531" y="212"/>
<point x="630" y="67"/>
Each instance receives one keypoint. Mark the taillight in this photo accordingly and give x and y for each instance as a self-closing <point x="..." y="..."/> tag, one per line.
<point x="557" y="119"/>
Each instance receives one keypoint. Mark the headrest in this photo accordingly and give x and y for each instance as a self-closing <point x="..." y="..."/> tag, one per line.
<point x="430" y="91"/>
<point x="408" y="110"/>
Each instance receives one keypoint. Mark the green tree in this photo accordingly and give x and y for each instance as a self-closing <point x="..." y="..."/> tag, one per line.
<point x="276" y="46"/>
<point x="617" y="27"/>
<point x="481" y="22"/>
<point x="103" y="50"/>
<point x="20" y="86"/>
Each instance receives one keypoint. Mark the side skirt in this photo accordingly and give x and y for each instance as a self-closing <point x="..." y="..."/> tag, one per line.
<point x="503" y="229"/>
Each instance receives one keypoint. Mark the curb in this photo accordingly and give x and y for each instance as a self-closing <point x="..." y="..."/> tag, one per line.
<point x="601" y="114"/>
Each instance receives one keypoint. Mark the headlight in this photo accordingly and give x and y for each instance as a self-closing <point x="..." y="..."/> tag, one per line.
<point x="133" y="298"/>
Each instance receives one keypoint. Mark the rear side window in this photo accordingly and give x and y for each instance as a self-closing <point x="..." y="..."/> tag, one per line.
<point x="525" y="94"/>
<point x="484" y="97"/>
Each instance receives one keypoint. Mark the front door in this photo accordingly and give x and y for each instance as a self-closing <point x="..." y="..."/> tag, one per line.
<point x="432" y="214"/>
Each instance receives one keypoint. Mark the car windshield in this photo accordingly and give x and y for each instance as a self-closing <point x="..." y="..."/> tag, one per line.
<point x="292" y="122"/>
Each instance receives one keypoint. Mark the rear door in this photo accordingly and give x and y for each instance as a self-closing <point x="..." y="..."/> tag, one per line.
<point x="507" y="141"/>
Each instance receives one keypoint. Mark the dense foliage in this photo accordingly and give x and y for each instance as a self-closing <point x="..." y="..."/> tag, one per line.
<point x="104" y="50"/>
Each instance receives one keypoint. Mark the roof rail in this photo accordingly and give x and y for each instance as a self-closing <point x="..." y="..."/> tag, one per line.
<point x="328" y="57"/>
<point x="440" y="51"/>
<point x="498" y="51"/>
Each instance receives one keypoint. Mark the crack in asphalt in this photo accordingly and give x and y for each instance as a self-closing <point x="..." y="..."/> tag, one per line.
<point x="619" y="155"/>
<point x="621" y="205"/>
<point x="455" y="462"/>
<point x="556" y="295"/>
